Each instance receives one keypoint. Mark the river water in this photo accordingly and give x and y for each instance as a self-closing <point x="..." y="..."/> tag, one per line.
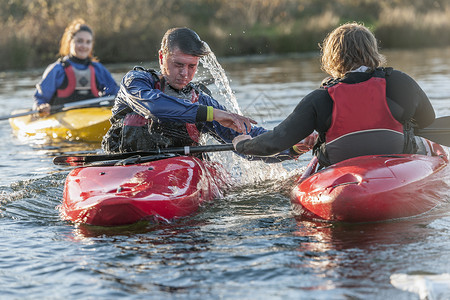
<point x="247" y="245"/>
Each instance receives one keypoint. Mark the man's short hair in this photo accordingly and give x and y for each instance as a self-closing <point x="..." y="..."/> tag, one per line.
<point x="184" y="39"/>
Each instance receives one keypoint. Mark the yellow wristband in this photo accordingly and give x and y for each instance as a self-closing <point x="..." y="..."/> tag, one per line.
<point x="295" y="148"/>
<point x="209" y="114"/>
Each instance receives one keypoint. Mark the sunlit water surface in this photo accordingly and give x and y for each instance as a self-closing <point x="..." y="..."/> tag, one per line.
<point x="247" y="245"/>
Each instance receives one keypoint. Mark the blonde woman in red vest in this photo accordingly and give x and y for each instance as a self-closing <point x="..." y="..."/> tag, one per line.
<point x="362" y="109"/>
<point x="76" y="75"/>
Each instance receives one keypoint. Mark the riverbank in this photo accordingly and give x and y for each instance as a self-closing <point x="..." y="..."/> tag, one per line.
<point x="131" y="30"/>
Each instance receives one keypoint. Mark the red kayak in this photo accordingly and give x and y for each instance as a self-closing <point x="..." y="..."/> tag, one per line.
<point x="164" y="189"/>
<point x="373" y="188"/>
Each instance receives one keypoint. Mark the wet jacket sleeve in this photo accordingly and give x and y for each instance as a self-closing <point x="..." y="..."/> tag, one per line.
<point x="406" y="92"/>
<point x="52" y="78"/>
<point x="298" y="125"/>
<point x="137" y="92"/>
<point x="107" y="84"/>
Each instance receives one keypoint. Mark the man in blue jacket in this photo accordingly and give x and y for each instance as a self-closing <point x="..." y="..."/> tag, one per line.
<point x="165" y="109"/>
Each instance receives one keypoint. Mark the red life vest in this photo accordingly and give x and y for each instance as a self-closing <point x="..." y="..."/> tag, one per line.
<point x="362" y="123"/>
<point x="79" y="85"/>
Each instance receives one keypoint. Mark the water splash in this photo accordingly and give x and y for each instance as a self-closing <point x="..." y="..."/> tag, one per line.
<point x="221" y="81"/>
<point x="243" y="172"/>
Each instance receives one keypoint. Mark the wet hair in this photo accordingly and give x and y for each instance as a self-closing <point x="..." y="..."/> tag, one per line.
<point x="71" y="30"/>
<point x="184" y="39"/>
<point x="348" y="47"/>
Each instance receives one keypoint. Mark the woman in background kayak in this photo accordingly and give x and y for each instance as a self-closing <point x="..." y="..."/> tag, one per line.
<point x="362" y="109"/>
<point x="76" y="75"/>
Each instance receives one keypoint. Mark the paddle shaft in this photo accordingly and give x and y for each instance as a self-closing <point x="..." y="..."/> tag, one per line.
<point x="81" y="160"/>
<point x="65" y="107"/>
<point x="85" y="103"/>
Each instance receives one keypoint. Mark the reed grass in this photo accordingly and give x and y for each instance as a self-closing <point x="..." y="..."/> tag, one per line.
<point x="131" y="30"/>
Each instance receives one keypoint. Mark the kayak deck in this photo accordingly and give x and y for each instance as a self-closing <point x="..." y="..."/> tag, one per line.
<point x="84" y="124"/>
<point x="165" y="189"/>
<point x="372" y="188"/>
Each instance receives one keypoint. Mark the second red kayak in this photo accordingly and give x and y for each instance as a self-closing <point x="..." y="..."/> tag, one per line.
<point x="164" y="189"/>
<point x="373" y="188"/>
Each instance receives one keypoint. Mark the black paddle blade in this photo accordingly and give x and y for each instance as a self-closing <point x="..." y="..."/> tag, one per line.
<point x="136" y="159"/>
<point x="84" y="160"/>
<point x="438" y="131"/>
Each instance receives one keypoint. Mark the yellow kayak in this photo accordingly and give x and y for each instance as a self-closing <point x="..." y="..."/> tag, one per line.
<point x="83" y="124"/>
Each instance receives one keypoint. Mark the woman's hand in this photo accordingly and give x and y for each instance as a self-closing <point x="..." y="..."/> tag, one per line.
<point x="44" y="110"/>
<point x="239" y="138"/>
<point x="234" y="121"/>
<point x="306" y="144"/>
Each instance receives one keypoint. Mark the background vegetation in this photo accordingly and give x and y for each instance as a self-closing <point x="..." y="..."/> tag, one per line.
<point x="131" y="30"/>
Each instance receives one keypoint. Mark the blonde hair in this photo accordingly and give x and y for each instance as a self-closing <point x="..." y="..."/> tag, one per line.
<point x="348" y="47"/>
<point x="73" y="28"/>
